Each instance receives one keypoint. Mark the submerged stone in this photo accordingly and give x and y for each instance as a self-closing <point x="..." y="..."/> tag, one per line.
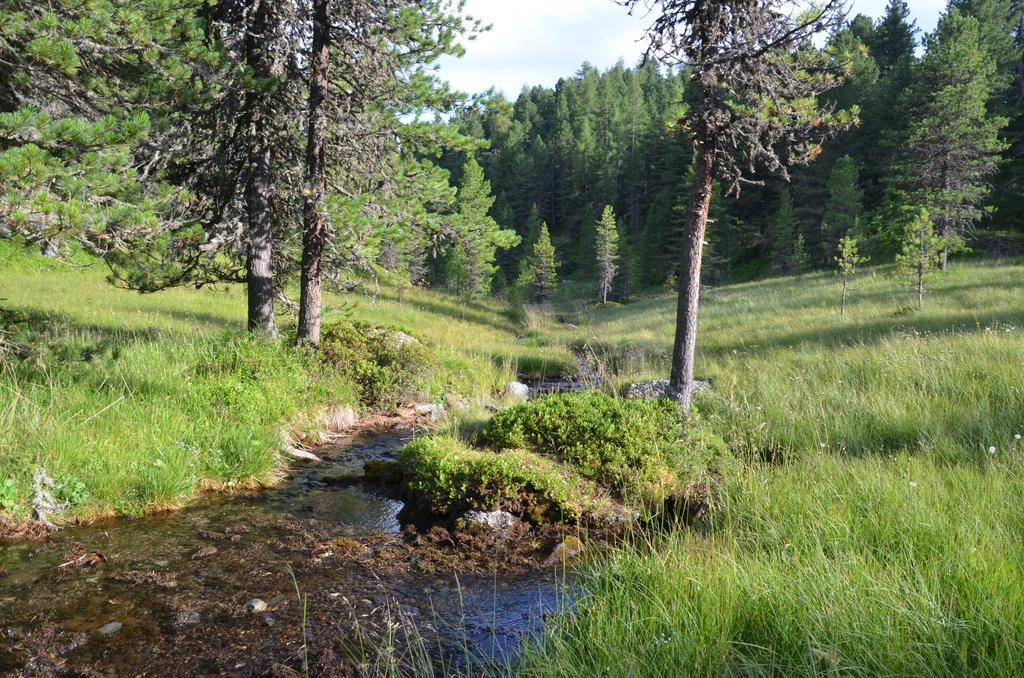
<point x="435" y="412"/>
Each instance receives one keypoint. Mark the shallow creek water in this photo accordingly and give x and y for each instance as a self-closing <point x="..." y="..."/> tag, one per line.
<point x="178" y="584"/>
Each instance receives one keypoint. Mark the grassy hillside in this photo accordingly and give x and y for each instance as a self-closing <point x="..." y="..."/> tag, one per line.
<point x="137" y="401"/>
<point x="875" y="529"/>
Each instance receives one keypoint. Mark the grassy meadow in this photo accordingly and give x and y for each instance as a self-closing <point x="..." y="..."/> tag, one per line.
<point x="136" y="402"/>
<point x="873" y="528"/>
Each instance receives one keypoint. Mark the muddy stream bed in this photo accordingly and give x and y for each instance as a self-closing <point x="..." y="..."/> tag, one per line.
<point x="210" y="589"/>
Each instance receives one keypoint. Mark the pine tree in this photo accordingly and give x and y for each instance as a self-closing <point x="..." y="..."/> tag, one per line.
<point x="848" y="260"/>
<point x="922" y="252"/>
<point x="357" y="99"/>
<point x="844" y="207"/>
<point x="475" y="236"/>
<point x="784" y="233"/>
<point x="953" y="144"/>
<point x="741" y="55"/>
<point x="798" y="257"/>
<point x="83" y="88"/>
<point x="540" y="273"/>
<point x="607" y="252"/>
<point x="893" y="39"/>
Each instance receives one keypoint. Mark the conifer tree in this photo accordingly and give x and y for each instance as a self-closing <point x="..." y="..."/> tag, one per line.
<point x="844" y="206"/>
<point x="757" y="78"/>
<point x="953" y="144"/>
<point x="606" y="252"/>
<point x="848" y="260"/>
<point x="798" y="257"/>
<point x="540" y="273"/>
<point x="784" y="233"/>
<point x="893" y="39"/>
<point x="921" y="253"/>
<point x="83" y="87"/>
<point x="475" y="236"/>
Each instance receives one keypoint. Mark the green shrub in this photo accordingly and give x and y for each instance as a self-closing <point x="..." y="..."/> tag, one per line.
<point x="643" y="450"/>
<point x="387" y="365"/>
<point x="445" y="477"/>
<point x="8" y="494"/>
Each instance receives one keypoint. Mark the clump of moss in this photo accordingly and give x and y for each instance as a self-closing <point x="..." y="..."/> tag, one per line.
<point x="386" y="364"/>
<point x="445" y="477"/>
<point x="644" y="451"/>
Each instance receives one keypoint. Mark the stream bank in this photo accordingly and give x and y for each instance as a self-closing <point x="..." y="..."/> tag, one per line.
<point x="219" y="586"/>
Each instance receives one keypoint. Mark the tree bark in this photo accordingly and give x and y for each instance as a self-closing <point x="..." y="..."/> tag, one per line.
<point x="314" y="224"/>
<point x="842" y="308"/>
<point x="259" y="184"/>
<point x="681" y="382"/>
<point x="921" y="261"/>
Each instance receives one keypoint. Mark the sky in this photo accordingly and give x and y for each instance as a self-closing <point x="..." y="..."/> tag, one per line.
<point x="536" y="42"/>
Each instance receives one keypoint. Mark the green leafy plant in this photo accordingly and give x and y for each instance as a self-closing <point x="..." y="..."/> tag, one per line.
<point x="8" y="494"/>
<point x="72" y="491"/>
<point x="386" y="364"/>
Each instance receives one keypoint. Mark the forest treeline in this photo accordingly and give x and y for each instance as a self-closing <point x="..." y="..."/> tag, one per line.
<point x="940" y="123"/>
<point x="195" y="142"/>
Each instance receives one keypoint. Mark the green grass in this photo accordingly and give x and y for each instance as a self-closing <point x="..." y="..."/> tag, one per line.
<point x="136" y="402"/>
<point x="875" y="529"/>
<point x="870" y="531"/>
<point x="790" y="375"/>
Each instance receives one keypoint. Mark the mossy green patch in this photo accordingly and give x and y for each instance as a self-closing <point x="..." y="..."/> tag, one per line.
<point x="644" y="451"/>
<point x="446" y="477"/>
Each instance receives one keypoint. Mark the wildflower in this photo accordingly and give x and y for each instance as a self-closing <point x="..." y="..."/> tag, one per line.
<point x="992" y="450"/>
<point x="1016" y="437"/>
<point x="824" y="445"/>
<point x="913" y="484"/>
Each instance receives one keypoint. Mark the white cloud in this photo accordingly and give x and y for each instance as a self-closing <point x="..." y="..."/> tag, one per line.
<point x="536" y="42"/>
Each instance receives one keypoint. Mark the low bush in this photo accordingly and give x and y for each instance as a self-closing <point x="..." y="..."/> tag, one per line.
<point x="643" y="450"/>
<point x="445" y="477"/>
<point x="386" y="364"/>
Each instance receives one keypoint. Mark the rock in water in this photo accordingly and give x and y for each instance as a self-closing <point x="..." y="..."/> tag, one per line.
<point x="569" y="548"/>
<point x="435" y="412"/>
<point x="110" y="629"/>
<point x="518" y="391"/>
<point x="496" y="520"/>
<point x="301" y="454"/>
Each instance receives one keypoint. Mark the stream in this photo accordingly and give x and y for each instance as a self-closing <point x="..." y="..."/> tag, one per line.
<point x="210" y="589"/>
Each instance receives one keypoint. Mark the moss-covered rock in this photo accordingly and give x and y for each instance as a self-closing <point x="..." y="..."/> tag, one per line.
<point x="646" y="452"/>
<point x="445" y="477"/>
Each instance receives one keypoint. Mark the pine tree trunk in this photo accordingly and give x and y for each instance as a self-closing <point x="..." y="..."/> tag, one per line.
<point x="842" y="308"/>
<point x="314" y="223"/>
<point x="259" y="186"/>
<point x="681" y="382"/>
<point x="921" y="260"/>
<point x="259" y="273"/>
